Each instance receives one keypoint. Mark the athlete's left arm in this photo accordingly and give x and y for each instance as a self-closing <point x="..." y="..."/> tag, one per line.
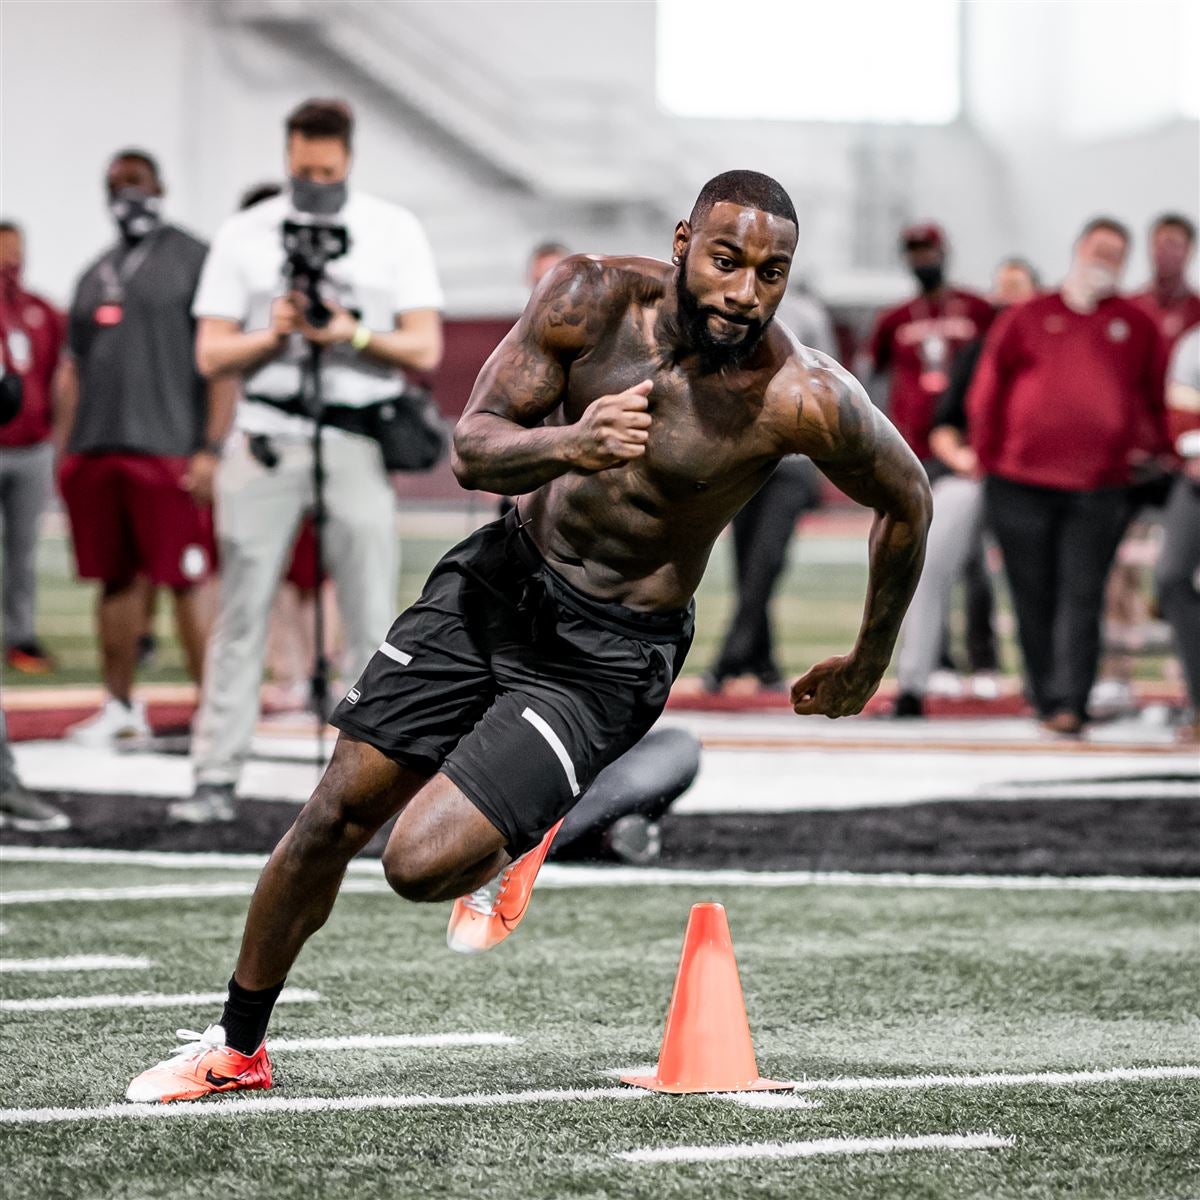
<point x="856" y="446"/>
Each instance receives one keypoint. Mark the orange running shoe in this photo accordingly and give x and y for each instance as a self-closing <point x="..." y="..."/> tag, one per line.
<point x="204" y="1066"/>
<point x="487" y="916"/>
<point x="30" y="659"/>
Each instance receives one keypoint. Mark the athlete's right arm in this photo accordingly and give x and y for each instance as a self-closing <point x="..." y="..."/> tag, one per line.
<point x="500" y="443"/>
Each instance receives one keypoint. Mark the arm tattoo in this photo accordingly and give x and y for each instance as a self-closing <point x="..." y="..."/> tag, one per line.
<point x="500" y="443"/>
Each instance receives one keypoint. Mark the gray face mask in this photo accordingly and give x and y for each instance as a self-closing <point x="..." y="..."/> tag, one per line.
<point x="136" y="213"/>
<point x="319" y="199"/>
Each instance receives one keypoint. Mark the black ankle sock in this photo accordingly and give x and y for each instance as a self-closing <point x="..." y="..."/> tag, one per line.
<point x="246" y="1016"/>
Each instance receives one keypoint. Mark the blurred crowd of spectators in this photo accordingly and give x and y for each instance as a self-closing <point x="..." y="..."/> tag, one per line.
<point x="1050" y="420"/>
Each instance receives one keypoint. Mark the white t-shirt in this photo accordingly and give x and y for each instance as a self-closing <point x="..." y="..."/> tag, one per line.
<point x="387" y="270"/>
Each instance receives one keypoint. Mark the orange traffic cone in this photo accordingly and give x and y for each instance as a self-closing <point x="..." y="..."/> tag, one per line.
<point x="706" y="1046"/>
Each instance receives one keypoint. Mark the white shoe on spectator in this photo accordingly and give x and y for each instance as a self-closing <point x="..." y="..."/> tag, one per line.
<point x="944" y="683"/>
<point x="115" y="722"/>
<point x="1112" y="698"/>
<point x="22" y="810"/>
<point x="211" y="803"/>
<point x="985" y="685"/>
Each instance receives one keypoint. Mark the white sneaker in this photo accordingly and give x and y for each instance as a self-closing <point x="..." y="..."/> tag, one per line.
<point x="985" y="685"/>
<point x="210" y="804"/>
<point x="113" y="723"/>
<point x="944" y="683"/>
<point x="1112" y="697"/>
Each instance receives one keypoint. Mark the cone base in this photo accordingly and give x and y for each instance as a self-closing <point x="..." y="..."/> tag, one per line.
<point x="654" y="1084"/>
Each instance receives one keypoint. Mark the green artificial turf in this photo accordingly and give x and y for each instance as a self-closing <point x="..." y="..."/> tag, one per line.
<point x="839" y="981"/>
<point x="817" y="608"/>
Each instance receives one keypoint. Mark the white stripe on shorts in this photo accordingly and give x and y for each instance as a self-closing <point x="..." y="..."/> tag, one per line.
<point x="390" y="651"/>
<point x="555" y="743"/>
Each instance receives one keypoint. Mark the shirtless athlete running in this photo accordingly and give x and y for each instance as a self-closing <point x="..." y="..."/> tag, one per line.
<point x="634" y="408"/>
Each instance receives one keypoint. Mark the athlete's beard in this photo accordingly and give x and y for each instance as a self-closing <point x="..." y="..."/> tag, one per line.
<point x="693" y="324"/>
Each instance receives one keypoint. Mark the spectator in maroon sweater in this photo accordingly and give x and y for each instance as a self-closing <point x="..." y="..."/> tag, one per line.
<point x="31" y="340"/>
<point x="1067" y="398"/>
<point x="1167" y="299"/>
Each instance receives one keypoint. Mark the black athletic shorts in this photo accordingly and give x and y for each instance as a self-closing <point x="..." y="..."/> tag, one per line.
<point x="515" y="685"/>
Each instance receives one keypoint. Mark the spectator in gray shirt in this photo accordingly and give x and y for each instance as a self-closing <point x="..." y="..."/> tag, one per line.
<point x="140" y="435"/>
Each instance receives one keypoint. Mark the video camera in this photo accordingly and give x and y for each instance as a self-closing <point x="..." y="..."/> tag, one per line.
<point x="310" y="247"/>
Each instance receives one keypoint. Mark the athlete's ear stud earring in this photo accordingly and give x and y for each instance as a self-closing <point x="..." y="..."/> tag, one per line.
<point x="675" y="259"/>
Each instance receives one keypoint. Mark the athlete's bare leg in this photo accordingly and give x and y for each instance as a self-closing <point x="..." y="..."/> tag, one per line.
<point x="361" y="789"/>
<point x="442" y="847"/>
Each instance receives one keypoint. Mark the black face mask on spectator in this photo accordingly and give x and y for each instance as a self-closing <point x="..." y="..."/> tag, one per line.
<point x="319" y="199"/>
<point x="930" y="277"/>
<point x="136" y="212"/>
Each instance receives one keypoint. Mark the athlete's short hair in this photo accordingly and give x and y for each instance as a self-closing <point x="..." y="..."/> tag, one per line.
<point x="750" y="189"/>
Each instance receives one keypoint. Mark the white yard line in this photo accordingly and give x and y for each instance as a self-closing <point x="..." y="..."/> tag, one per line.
<point x="269" y="1105"/>
<point x="142" y="1000"/>
<point x="194" y="861"/>
<point x="820" y="1148"/>
<point x="770" y="1100"/>
<point x="392" y="1041"/>
<point x="75" y="962"/>
<point x="160" y="891"/>
<point x="998" y="1079"/>
<point x="266" y="1105"/>
<point x="553" y="875"/>
<point x="884" y="1083"/>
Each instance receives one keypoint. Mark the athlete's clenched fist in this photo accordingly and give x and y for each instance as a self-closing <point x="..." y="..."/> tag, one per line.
<point x="613" y="429"/>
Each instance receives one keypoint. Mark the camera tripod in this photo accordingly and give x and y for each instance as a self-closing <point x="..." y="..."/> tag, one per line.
<point x="314" y="404"/>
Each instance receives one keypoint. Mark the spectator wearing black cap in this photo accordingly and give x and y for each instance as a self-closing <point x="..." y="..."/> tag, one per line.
<point x="956" y="534"/>
<point x="918" y="343"/>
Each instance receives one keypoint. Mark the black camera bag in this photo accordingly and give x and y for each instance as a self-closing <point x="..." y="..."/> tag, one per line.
<point x="411" y="432"/>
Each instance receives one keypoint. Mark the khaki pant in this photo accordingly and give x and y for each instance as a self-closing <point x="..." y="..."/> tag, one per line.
<point x="954" y="536"/>
<point x="258" y="511"/>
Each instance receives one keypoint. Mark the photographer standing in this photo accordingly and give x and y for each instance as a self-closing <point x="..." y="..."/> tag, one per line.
<point x="368" y="264"/>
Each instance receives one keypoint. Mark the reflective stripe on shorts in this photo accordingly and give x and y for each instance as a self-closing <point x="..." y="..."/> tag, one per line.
<point x="390" y="651"/>
<point x="555" y="744"/>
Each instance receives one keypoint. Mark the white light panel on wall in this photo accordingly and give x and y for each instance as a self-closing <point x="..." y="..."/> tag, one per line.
<point x="891" y="61"/>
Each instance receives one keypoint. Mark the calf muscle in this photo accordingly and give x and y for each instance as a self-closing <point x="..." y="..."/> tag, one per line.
<point x="295" y="894"/>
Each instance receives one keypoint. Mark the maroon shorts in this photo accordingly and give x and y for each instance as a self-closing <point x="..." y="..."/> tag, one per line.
<point x="130" y="516"/>
<point x="303" y="569"/>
